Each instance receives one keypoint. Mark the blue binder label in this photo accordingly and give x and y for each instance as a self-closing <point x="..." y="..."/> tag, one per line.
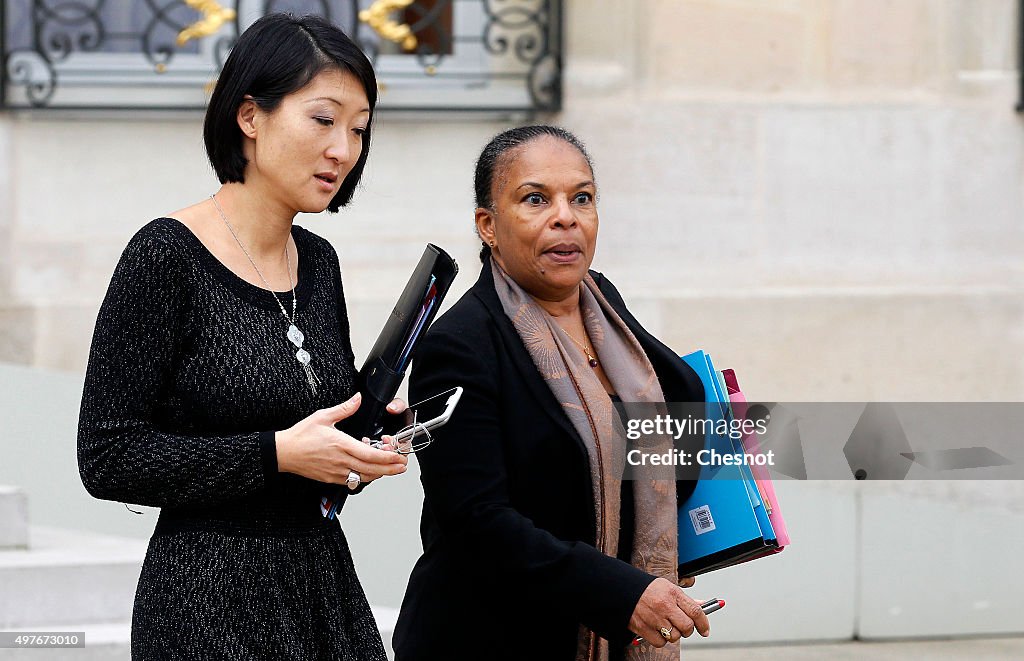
<point x="701" y="520"/>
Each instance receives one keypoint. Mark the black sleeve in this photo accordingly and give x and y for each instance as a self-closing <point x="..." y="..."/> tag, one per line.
<point x="464" y="481"/>
<point x="122" y="454"/>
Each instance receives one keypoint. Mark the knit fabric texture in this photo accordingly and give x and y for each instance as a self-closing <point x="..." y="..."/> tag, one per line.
<point x="189" y="376"/>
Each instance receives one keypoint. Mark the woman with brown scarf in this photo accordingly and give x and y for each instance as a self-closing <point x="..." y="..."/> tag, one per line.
<point x="534" y="545"/>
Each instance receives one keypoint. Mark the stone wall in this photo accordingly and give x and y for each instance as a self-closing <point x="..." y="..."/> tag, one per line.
<point x="826" y="194"/>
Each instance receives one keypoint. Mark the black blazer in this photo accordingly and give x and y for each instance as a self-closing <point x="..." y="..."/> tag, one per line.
<point x="509" y="569"/>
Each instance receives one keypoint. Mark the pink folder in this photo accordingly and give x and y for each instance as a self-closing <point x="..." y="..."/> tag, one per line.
<point x="761" y="475"/>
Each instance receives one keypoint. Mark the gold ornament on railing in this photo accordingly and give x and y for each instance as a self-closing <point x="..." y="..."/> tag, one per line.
<point x="214" y="16"/>
<point x="378" y="17"/>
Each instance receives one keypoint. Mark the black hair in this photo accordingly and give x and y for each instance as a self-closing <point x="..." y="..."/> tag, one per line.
<point x="498" y="156"/>
<point x="275" y="56"/>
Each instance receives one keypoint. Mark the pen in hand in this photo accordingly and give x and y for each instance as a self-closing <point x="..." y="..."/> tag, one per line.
<point x="709" y="607"/>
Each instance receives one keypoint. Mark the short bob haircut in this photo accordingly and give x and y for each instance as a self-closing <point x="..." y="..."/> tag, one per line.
<point x="275" y="56"/>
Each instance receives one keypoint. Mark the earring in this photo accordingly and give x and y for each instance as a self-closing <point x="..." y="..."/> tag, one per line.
<point x="492" y="244"/>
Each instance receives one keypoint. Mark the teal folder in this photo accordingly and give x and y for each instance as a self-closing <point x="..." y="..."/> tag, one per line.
<point x="723" y="522"/>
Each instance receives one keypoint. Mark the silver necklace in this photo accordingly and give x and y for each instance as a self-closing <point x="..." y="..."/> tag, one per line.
<point x="294" y="335"/>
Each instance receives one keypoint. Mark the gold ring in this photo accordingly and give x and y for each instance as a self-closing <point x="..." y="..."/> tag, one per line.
<point x="666" y="633"/>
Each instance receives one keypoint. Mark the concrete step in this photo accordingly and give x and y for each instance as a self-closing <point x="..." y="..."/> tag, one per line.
<point x="76" y="581"/>
<point x="67" y="577"/>
<point x="13" y="518"/>
<point x="111" y="641"/>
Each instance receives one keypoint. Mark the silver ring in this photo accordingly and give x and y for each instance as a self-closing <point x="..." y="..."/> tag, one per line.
<point x="353" y="480"/>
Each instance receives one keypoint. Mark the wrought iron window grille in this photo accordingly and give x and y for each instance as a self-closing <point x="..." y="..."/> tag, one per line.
<point x="475" y="55"/>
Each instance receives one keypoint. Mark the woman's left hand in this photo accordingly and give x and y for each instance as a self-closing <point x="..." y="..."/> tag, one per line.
<point x="397" y="406"/>
<point x="663" y="605"/>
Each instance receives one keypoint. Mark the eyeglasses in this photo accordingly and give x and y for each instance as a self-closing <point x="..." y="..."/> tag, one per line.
<point x="418" y="438"/>
<point x="410" y="439"/>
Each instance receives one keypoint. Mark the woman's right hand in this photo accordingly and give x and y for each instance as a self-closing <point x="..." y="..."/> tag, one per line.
<point x="664" y="604"/>
<point x="314" y="448"/>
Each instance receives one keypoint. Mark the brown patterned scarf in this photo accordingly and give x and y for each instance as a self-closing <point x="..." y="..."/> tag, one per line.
<point x="587" y="405"/>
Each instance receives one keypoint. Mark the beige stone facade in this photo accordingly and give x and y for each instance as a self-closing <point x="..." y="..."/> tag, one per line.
<point x="828" y="195"/>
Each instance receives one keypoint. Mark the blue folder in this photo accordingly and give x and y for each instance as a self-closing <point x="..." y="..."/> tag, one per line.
<point x="723" y="522"/>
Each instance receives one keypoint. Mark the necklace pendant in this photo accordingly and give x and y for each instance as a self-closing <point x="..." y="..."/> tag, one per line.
<point x="593" y="362"/>
<point x="295" y="336"/>
<point x="311" y="378"/>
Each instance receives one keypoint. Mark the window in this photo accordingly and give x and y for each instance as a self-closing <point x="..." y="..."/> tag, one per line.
<point x="429" y="54"/>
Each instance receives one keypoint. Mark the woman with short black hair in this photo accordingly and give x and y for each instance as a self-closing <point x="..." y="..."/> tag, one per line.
<point x="281" y="55"/>
<point x="221" y="362"/>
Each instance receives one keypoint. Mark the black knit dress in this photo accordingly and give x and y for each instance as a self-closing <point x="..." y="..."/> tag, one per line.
<point x="189" y="376"/>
